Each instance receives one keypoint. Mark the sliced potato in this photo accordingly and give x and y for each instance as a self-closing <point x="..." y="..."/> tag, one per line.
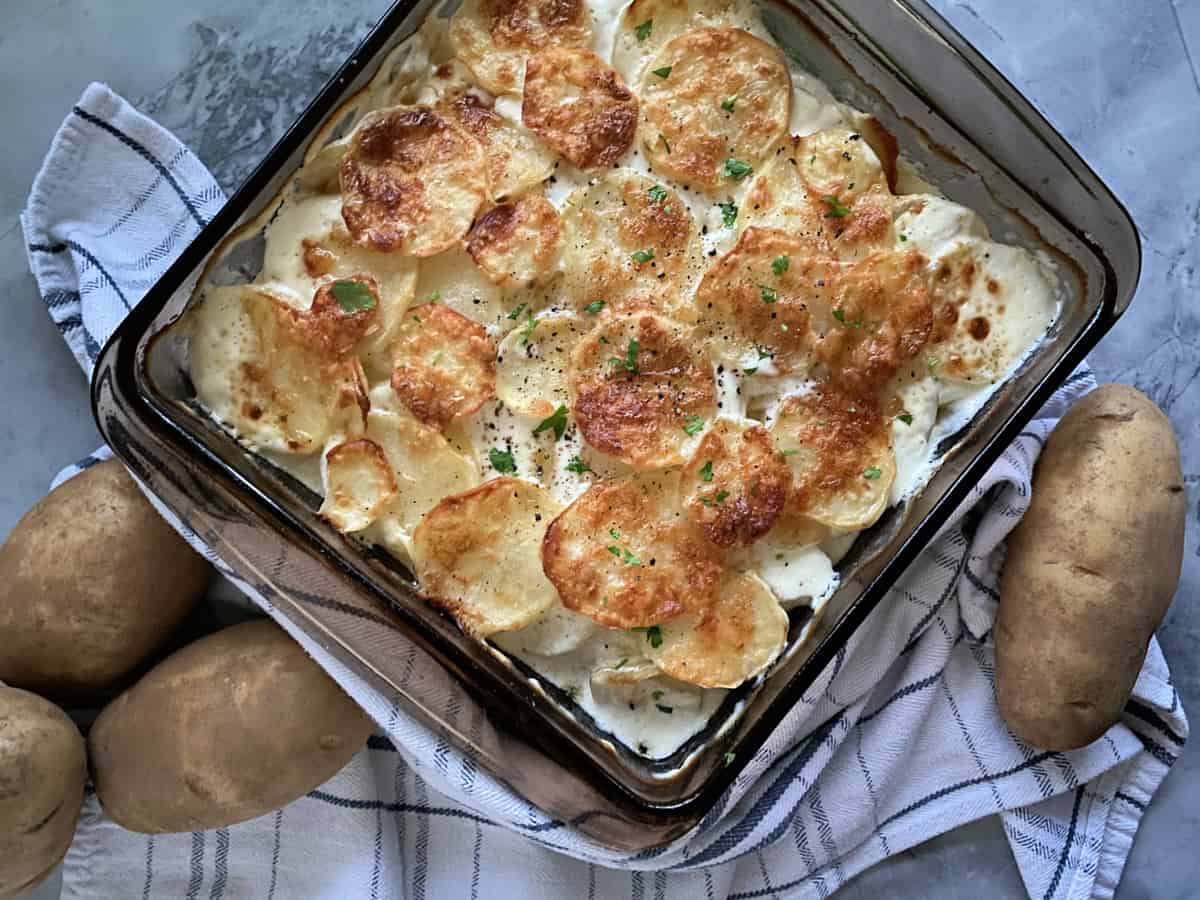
<point x="828" y="190"/>
<point x="359" y="484"/>
<point x="478" y="553"/>
<point x="790" y="559"/>
<point x="640" y="390"/>
<point x="993" y="303"/>
<point x="579" y="106"/>
<point x="727" y="643"/>
<point x="516" y="160"/>
<point x="840" y="450"/>
<point x="630" y="243"/>
<point x="426" y="468"/>
<point x="736" y="483"/>
<point x="534" y="360"/>
<point x="646" y="25"/>
<point x="444" y="364"/>
<point x="625" y="554"/>
<point x="516" y="244"/>
<point x="714" y="102"/>
<point x="557" y="632"/>
<point x="496" y="37"/>
<point x="453" y="279"/>
<point x="412" y="181"/>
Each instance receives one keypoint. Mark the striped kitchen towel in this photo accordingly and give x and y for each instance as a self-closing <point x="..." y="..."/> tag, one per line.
<point x="899" y="740"/>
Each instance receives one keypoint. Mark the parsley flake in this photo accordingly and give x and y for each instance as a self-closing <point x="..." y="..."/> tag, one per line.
<point x="353" y="296"/>
<point x="641" y="257"/>
<point x="836" y="209"/>
<point x="527" y="331"/>
<point x="903" y="237"/>
<point x="750" y="370"/>
<point x="502" y="461"/>
<point x="872" y="473"/>
<point x="730" y="757"/>
<point x="437" y="358"/>
<point x="557" y="421"/>
<point x="629" y="363"/>
<point x="516" y="313"/>
<point x="663" y="72"/>
<point x="706" y="473"/>
<point x="434" y="297"/>
<point x="621" y="663"/>
<point x="658" y="193"/>
<point x="578" y="466"/>
<point x="779" y="265"/>
<point x="693" y="425"/>
<point x="594" y="307"/>
<point x="727" y="103"/>
<point x="767" y="293"/>
<point x="932" y="363"/>
<point x="643" y="31"/>
<point x="906" y="418"/>
<point x="729" y="213"/>
<point x="664" y="709"/>
<point x="653" y="635"/>
<point x="736" y="169"/>
<point x="790" y="452"/>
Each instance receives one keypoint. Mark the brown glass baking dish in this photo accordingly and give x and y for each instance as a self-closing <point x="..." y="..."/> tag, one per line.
<point x="971" y="133"/>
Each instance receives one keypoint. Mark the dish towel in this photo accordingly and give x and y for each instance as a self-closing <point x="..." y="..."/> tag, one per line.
<point x="898" y="741"/>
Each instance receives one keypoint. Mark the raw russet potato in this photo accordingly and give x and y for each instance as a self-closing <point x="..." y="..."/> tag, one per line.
<point x="42" y="770"/>
<point x="1091" y="569"/>
<point x="231" y="727"/>
<point x="92" y="581"/>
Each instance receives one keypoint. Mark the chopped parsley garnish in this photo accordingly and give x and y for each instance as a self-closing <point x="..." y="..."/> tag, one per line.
<point x="779" y="265"/>
<point x="434" y="297"/>
<point x="658" y="193"/>
<point x="578" y="466"/>
<point x="643" y="31"/>
<point x="664" y="709"/>
<point x="516" y="313"/>
<point x="812" y="159"/>
<point x="906" y="418"/>
<point x="629" y="363"/>
<point x="730" y="757"/>
<point x="840" y="315"/>
<point x="872" y="473"/>
<point x="353" y="296"/>
<point x="836" y="209"/>
<point x="594" y="307"/>
<point x="622" y="553"/>
<point x="557" y="420"/>
<point x="706" y="472"/>
<point x="653" y="635"/>
<point x="573" y="691"/>
<point x="932" y="363"/>
<point x="621" y="663"/>
<point x="437" y="358"/>
<point x="750" y="370"/>
<point x="641" y="257"/>
<point x="727" y="103"/>
<point x="663" y="72"/>
<point x="502" y="461"/>
<point x="904" y="237"/>
<point x="693" y="425"/>
<point x="527" y="331"/>
<point x="616" y="535"/>
<point x="666" y="143"/>
<point x="736" y="169"/>
<point x="729" y="213"/>
<point x="416" y="318"/>
<point x="629" y="558"/>
<point x="767" y="293"/>
<point x="719" y="498"/>
<point x="790" y="452"/>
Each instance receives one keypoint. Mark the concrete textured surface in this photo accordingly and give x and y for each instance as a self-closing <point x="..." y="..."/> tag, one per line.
<point x="1118" y="77"/>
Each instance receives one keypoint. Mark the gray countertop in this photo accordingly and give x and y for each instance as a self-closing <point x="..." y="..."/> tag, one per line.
<point x="1118" y="77"/>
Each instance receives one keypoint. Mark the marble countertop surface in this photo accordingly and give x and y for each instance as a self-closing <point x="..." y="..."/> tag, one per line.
<point x="1119" y="78"/>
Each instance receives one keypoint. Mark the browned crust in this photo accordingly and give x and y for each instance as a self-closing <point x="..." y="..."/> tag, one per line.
<point x="444" y="364"/>
<point x="579" y="106"/>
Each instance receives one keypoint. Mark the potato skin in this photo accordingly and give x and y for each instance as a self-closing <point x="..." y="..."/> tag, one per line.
<point x="92" y="581"/>
<point x="231" y="727"/>
<point x="42" y="770"/>
<point x="1091" y="569"/>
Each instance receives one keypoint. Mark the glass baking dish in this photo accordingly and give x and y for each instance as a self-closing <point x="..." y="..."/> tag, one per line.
<point x="968" y="130"/>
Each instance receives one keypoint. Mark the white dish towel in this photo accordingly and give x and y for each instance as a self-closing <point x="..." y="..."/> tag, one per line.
<point x="899" y="740"/>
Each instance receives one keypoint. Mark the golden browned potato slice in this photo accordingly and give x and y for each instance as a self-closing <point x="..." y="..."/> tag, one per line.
<point x="992" y="303"/>
<point x="426" y="469"/>
<point x="630" y="242"/>
<point x="640" y="390"/>
<point x="829" y="190"/>
<point x="579" y="106"/>
<point x="516" y="244"/>
<point x="646" y="25"/>
<point x="254" y="372"/>
<point x="626" y="555"/>
<point x="478" y="554"/>
<point x="516" y="160"/>
<point x="359" y="484"/>
<point x="412" y="181"/>
<point x="728" y="642"/>
<point x="453" y="279"/>
<point x="736" y="483"/>
<point x="839" y="447"/>
<point x="307" y="245"/>
<point x="532" y="366"/>
<point x="444" y="364"/>
<point x="496" y="37"/>
<point x="714" y="103"/>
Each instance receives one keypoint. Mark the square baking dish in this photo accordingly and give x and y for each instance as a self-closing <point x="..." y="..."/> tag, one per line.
<point x="969" y="132"/>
